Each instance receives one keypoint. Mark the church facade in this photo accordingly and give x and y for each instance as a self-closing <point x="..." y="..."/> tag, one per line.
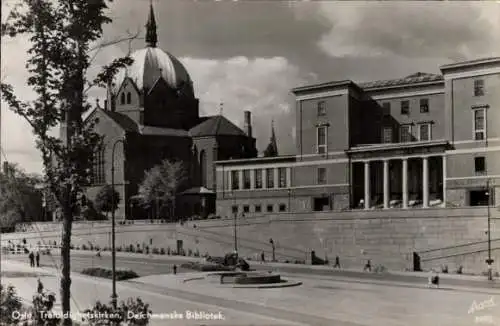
<point x="421" y="141"/>
<point x="150" y="114"/>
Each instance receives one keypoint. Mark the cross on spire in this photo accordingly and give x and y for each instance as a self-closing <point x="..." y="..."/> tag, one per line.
<point x="221" y="107"/>
<point x="151" y="36"/>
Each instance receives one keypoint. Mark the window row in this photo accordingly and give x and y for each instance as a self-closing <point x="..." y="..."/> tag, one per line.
<point x="424" y="133"/>
<point x="262" y="178"/>
<point x="126" y="100"/>
<point x="258" y="208"/>
<point x="405" y="106"/>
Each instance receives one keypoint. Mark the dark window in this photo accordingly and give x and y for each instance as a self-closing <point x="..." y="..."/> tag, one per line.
<point x="203" y="168"/>
<point x="282" y="208"/>
<point x="98" y="175"/>
<point x="321" y="176"/>
<point x="424" y="105"/>
<point x="235" y="180"/>
<point x="122" y="98"/>
<point x="246" y="179"/>
<point x="129" y="98"/>
<point x="480" y="197"/>
<point x="478" y="87"/>
<point x="405" y="107"/>
<point x="321" y="108"/>
<point x="424" y="132"/>
<point x="258" y="179"/>
<point x="282" y="177"/>
<point x="479" y="125"/>
<point x="387" y="135"/>
<point x="270" y="178"/>
<point x="480" y="164"/>
<point x="405" y="133"/>
<point x="246" y="209"/>
<point x="269" y="208"/>
<point x="321" y="140"/>
<point x="258" y="208"/>
<point x="235" y="209"/>
<point x="386" y="108"/>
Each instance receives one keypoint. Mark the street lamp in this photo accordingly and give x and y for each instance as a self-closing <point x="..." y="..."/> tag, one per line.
<point x="289" y="196"/>
<point x="235" y="213"/>
<point x="113" y="250"/>
<point x="489" y="261"/>
<point x="271" y="241"/>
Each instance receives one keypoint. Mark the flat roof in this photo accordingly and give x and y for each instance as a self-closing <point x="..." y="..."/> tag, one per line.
<point x="471" y="63"/>
<point x="331" y="84"/>
<point x="258" y="160"/>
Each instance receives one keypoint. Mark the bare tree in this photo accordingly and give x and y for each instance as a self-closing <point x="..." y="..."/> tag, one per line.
<point x="161" y="184"/>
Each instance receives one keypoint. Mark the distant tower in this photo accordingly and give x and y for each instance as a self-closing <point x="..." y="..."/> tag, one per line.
<point x="272" y="148"/>
<point x="247" y="127"/>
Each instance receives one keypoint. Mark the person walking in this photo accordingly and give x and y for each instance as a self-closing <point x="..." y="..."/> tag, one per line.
<point x="175" y="269"/>
<point x="32" y="259"/>
<point x="368" y="266"/>
<point x="37" y="257"/>
<point x="337" y="262"/>
<point x="262" y="257"/>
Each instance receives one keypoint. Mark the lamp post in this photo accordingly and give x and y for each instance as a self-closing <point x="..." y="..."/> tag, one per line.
<point x="235" y="213"/>
<point x="289" y="201"/>
<point x="113" y="250"/>
<point x="489" y="261"/>
<point x="271" y="241"/>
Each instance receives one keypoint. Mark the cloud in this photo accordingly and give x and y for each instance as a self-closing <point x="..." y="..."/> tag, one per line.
<point x="453" y="30"/>
<point x="259" y="85"/>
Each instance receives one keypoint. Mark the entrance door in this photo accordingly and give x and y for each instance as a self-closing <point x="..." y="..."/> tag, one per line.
<point x="321" y="204"/>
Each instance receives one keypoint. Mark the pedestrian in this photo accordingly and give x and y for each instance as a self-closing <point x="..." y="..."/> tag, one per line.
<point x="37" y="257"/>
<point x="337" y="262"/>
<point x="368" y="266"/>
<point x="262" y="257"/>
<point x="175" y="269"/>
<point x="32" y="259"/>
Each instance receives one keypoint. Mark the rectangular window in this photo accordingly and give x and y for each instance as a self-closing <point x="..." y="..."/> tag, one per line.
<point x="387" y="135"/>
<point x="478" y="87"/>
<point x="405" y="107"/>
<point x="246" y="179"/>
<point x="98" y="174"/>
<point x="480" y="164"/>
<point x="269" y="208"/>
<point x="386" y="108"/>
<point x="479" y="124"/>
<point x="235" y="180"/>
<point x="270" y="178"/>
<point x="321" y="176"/>
<point x="405" y="134"/>
<point x="246" y="209"/>
<point x="321" y="108"/>
<point x="258" y="179"/>
<point x="235" y="209"/>
<point x="282" y="177"/>
<point x="424" y="105"/>
<point x="321" y="140"/>
<point x="424" y="132"/>
<point x="282" y="208"/>
<point x="258" y="209"/>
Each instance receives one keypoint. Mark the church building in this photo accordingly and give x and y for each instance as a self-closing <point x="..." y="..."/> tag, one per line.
<point x="151" y="113"/>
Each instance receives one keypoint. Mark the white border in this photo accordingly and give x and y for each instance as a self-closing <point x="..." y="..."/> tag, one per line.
<point x="282" y="165"/>
<point x="337" y="92"/>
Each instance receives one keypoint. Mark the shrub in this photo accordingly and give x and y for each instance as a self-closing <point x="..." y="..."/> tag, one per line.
<point x="119" y="249"/>
<point x="190" y="252"/>
<point x="120" y="316"/>
<point x="131" y="248"/>
<point x="197" y="253"/>
<point x="97" y="248"/>
<point x="169" y="252"/>
<point x="146" y="249"/>
<point x="460" y="269"/>
<point x="43" y="302"/>
<point x="379" y="269"/>
<point x="71" y="247"/>
<point x="84" y="247"/>
<point x="444" y="269"/>
<point x="10" y="303"/>
<point x="121" y="275"/>
<point x="77" y="248"/>
<point x="138" y="251"/>
<point x="162" y="251"/>
<point x="155" y="251"/>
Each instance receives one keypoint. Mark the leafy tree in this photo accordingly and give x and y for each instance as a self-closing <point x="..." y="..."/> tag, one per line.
<point x="107" y="199"/>
<point x="62" y="35"/>
<point x="20" y="196"/>
<point x="90" y="213"/>
<point x="134" y="312"/>
<point x="161" y="184"/>
<point x="9" y="303"/>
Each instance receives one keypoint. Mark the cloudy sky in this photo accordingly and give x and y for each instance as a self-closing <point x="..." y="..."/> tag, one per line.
<point x="249" y="54"/>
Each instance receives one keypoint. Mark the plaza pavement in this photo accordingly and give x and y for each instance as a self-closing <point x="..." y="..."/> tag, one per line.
<point x="319" y="301"/>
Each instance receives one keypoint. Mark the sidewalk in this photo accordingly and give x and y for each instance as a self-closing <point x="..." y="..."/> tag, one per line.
<point x="87" y="290"/>
<point x="277" y="266"/>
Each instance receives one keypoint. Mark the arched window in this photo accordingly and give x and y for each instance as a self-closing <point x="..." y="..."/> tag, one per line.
<point x="122" y="99"/>
<point x="129" y="98"/>
<point x="98" y="175"/>
<point x="203" y="168"/>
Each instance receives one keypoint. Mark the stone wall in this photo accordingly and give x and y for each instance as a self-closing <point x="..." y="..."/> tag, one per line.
<point x="386" y="237"/>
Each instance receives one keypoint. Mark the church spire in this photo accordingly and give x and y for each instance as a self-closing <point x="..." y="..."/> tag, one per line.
<point x="272" y="148"/>
<point x="151" y="36"/>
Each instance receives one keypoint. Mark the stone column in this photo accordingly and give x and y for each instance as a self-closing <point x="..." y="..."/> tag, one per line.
<point x="240" y="179"/>
<point x="264" y="178"/>
<point x="367" y="185"/>
<point x="276" y="178"/>
<point x="288" y="177"/>
<point x="405" y="183"/>
<point x="229" y="180"/>
<point x="444" y="179"/>
<point x="252" y="179"/>
<point x="425" y="181"/>
<point x="386" y="184"/>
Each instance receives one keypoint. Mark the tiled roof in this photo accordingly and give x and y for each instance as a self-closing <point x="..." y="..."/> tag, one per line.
<point x="419" y="77"/>
<point x="216" y="126"/>
<point x="124" y="121"/>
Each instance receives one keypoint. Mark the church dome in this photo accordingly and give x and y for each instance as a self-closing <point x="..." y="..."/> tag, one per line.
<point x="150" y="64"/>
